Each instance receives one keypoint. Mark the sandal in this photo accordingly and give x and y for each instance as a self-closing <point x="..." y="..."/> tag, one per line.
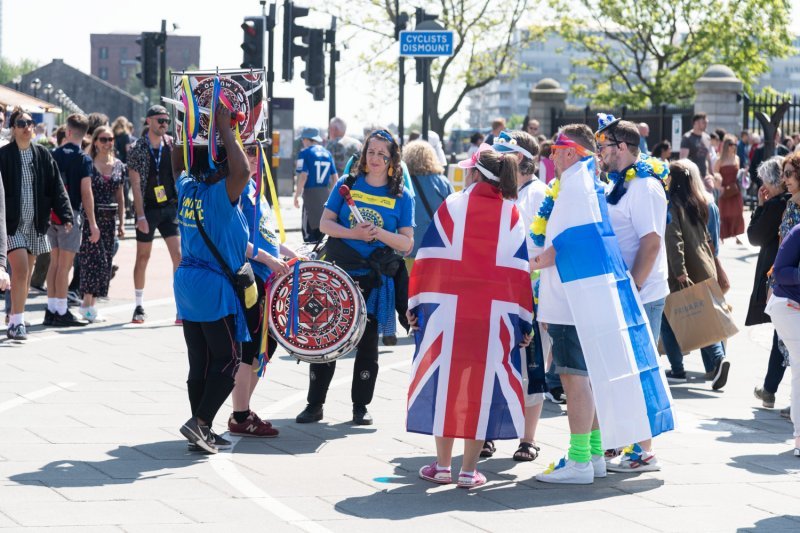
<point x="488" y="449"/>
<point x="527" y="451"/>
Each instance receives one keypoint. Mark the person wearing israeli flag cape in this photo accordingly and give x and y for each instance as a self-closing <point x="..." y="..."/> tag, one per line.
<point x="637" y="207"/>
<point x="602" y="345"/>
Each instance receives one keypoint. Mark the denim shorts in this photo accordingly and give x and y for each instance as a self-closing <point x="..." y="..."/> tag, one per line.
<point x="567" y="352"/>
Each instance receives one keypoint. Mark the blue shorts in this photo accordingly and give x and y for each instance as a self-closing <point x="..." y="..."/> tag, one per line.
<point x="567" y="352"/>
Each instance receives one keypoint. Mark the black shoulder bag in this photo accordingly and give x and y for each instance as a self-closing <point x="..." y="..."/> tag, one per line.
<point x="243" y="281"/>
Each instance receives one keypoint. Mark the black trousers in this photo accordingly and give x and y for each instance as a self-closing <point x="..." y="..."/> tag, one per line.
<point x="775" y="368"/>
<point x="214" y="356"/>
<point x="365" y="370"/>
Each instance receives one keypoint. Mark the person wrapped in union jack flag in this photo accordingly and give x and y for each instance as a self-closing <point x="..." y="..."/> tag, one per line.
<point x="470" y="304"/>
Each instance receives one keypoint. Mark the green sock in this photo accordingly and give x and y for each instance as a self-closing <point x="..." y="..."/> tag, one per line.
<point x="595" y="444"/>
<point x="579" y="450"/>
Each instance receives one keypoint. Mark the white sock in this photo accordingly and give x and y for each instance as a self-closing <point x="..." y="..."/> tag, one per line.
<point x="61" y="306"/>
<point x="51" y="305"/>
<point x="442" y="468"/>
<point x="15" y="320"/>
<point x="139" y="296"/>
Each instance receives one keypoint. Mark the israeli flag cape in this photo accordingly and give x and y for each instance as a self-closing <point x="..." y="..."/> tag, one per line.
<point x="630" y="391"/>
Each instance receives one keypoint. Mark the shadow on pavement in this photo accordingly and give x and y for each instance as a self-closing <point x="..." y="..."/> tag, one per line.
<point x="300" y="439"/>
<point x="783" y="463"/>
<point x="764" y="427"/>
<point x="127" y="465"/>
<point x="503" y="492"/>
<point x="774" y="523"/>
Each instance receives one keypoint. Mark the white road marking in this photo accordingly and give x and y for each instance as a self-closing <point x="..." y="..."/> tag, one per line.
<point x="227" y="469"/>
<point x="35" y="395"/>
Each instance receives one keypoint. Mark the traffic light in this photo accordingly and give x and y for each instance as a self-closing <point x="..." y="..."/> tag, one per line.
<point x="400" y="24"/>
<point x="149" y="58"/>
<point x="314" y="74"/>
<point x="253" y="42"/>
<point x="291" y="31"/>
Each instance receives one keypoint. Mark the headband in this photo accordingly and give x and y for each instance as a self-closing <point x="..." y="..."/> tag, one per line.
<point x="565" y="142"/>
<point x="383" y="134"/>
<point x="502" y="145"/>
<point x="486" y="172"/>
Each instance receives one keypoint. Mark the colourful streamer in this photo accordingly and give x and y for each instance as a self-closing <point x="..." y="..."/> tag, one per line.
<point x="273" y="193"/>
<point x="293" y="313"/>
<point x="212" y="128"/>
<point x="191" y="124"/>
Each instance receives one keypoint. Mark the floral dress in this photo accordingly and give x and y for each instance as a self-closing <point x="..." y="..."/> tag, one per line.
<point x="95" y="258"/>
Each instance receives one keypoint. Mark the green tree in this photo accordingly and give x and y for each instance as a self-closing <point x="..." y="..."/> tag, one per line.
<point x="650" y="52"/>
<point x="487" y="36"/>
<point x="9" y="69"/>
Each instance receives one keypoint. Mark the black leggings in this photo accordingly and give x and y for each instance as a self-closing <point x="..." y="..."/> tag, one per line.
<point x="214" y="356"/>
<point x="365" y="370"/>
<point x="775" y="368"/>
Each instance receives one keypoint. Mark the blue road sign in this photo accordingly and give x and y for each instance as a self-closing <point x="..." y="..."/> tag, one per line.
<point x="426" y="43"/>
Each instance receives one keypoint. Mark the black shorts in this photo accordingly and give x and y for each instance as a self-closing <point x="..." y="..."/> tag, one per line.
<point x="164" y="218"/>
<point x="255" y="317"/>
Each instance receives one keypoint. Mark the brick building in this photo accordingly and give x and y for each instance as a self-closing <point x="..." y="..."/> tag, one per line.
<point x="88" y="92"/>
<point x="114" y="55"/>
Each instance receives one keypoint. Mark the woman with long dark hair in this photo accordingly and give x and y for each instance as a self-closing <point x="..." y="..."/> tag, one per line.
<point x="366" y="251"/>
<point x="33" y="188"/>
<point x="108" y="175"/>
<point x="214" y="321"/>
<point x="690" y="259"/>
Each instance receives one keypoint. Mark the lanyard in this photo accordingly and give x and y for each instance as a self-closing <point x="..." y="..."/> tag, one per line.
<point x="157" y="159"/>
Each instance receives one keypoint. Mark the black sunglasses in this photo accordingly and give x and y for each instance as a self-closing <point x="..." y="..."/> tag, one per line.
<point x="163" y="121"/>
<point x="23" y="123"/>
<point x="105" y="139"/>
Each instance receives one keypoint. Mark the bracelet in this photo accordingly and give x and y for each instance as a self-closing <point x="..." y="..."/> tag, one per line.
<point x="141" y="218"/>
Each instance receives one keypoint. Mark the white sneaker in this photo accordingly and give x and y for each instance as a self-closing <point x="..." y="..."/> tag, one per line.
<point x="90" y="314"/>
<point x="567" y="471"/>
<point x="635" y="459"/>
<point x="599" y="466"/>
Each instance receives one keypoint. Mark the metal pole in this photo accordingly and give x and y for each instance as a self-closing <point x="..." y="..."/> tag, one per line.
<point x="402" y="91"/>
<point x="426" y="69"/>
<point x="332" y="76"/>
<point x="163" y="42"/>
<point x="270" y="25"/>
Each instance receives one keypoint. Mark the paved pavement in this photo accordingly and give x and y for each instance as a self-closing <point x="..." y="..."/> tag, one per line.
<point x="90" y="421"/>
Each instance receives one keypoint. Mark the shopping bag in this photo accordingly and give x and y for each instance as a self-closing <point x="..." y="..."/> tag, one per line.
<point x="699" y="315"/>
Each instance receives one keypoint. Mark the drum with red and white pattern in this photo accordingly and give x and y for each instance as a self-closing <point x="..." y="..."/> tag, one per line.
<point x="332" y="314"/>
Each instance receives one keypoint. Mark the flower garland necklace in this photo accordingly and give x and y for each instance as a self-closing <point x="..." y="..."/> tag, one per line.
<point x="645" y="167"/>
<point x="539" y="224"/>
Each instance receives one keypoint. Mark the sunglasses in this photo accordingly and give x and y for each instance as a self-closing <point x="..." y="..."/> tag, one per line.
<point x="24" y="123"/>
<point x="163" y="121"/>
<point x="105" y="140"/>
<point x="788" y="173"/>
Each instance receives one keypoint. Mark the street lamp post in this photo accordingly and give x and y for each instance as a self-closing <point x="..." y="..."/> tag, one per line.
<point x="36" y="83"/>
<point x="17" y="80"/>
<point x="47" y="90"/>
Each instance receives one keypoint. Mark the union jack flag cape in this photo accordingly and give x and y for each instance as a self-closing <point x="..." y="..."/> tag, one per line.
<point x="471" y="291"/>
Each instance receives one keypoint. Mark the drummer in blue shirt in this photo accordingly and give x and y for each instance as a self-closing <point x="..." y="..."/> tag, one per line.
<point x="214" y="324"/>
<point x="366" y="251"/>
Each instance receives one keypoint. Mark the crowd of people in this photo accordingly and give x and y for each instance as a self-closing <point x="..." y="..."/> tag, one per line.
<point x="666" y="219"/>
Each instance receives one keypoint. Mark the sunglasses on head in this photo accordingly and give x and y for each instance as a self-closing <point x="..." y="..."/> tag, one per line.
<point x="24" y="122"/>
<point x="163" y="121"/>
<point x="105" y="139"/>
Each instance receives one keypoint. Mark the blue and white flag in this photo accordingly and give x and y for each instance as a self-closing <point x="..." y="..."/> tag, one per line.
<point x="630" y="390"/>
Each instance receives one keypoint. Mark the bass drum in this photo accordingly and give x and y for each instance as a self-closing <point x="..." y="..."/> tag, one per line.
<point x="332" y="315"/>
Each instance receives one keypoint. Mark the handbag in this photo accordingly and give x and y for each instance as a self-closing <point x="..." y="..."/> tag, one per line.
<point x="730" y="191"/>
<point x="699" y="315"/>
<point x="243" y="281"/>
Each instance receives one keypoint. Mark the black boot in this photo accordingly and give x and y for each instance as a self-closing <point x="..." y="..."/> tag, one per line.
<point x="360" y="415"/>
<point x="312" y="413"/>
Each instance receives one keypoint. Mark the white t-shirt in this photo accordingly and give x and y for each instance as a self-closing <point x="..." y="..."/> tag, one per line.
<point x="529" y="200"/>
<point x="643" y="210"/>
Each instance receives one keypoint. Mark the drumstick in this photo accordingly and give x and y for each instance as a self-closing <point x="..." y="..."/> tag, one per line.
<point x="344" y="191"/>
<point x="239" y="115"/>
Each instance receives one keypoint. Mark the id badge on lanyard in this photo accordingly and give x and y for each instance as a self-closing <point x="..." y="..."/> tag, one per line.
<point x="159" y="190"/>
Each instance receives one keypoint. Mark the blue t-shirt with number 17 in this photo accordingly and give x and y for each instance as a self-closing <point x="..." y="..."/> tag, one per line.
<point x="376" y="205"/>
<point x="318" y="163"/>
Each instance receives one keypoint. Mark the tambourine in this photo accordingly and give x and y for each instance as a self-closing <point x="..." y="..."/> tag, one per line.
<point x="331" y="312"/>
